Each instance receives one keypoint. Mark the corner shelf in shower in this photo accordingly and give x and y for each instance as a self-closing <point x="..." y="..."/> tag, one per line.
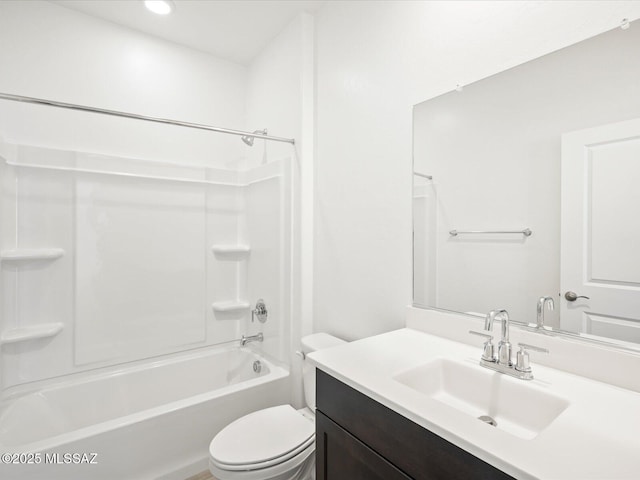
<point x="230" y="306"/>
<point x="23" y="334"/>
<point x="26" y="254"/>
<point x="230" y="249"/>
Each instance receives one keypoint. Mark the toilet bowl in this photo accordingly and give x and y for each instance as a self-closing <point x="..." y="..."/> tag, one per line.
<point x="276" y="443"/>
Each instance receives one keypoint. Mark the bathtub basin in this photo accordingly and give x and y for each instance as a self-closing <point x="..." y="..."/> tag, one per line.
<point x="149" y="421"/>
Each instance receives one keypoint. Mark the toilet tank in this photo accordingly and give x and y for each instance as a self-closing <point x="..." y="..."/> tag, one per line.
<point x="312" y="343"/>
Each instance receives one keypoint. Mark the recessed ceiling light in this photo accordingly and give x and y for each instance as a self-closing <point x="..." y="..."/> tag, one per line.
<point x="161" y="7"/>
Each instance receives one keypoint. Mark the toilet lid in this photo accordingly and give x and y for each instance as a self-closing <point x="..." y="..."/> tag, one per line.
<point x="272" y="433"/>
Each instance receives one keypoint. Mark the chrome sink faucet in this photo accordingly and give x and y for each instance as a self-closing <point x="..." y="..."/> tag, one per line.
<point x="504" y="346"/>
<point x="542" y="301"/>
<point x="502" y="362"/>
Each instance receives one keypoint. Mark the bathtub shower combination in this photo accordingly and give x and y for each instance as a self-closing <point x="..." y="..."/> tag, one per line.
<point x="127" y="284"/>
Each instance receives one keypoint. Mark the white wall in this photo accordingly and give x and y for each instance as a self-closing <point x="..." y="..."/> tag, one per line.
<point x="374" y="61"/>
<point x="274" y="91"/>
<point x="51" y="52"/>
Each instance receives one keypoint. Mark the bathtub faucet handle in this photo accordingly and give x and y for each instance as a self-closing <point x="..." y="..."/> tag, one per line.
<point x="260" y="311"/>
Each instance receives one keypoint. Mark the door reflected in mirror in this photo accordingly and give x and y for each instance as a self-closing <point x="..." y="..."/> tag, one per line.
<point x="550" y="148"/>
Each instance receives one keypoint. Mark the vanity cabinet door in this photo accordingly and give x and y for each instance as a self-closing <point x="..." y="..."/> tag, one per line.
<point x="341" y="456"/>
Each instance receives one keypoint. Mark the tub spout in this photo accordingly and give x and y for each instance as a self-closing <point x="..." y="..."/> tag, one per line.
<point x="252" y="338"/>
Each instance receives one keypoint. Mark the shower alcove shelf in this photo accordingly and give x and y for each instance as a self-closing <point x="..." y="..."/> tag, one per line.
<point x="34" y="332"/>
<point x="231" y="250"/>
<point x="230" y="306"/>
<point x="27" y="254"/>
<point x="38" y="331"/>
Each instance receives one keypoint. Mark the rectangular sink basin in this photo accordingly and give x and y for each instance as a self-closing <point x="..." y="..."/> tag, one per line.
<point x="516" y="406"/>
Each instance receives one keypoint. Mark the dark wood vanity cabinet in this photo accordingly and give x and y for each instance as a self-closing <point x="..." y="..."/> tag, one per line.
<point x="357" y="438"/>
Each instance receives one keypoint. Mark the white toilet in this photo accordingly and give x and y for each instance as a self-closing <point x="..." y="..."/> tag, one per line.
<point x="276" y="443"/>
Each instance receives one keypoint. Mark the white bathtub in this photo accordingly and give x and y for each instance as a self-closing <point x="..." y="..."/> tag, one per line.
<point x="152" y="421"/>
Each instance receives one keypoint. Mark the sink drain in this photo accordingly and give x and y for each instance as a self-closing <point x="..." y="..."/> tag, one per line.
<point x="488" y="419"/>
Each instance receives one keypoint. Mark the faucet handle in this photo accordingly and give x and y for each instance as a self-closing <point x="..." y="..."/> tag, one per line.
<point x="532" y="347"/>
<point x="481" y="334"/>
<point x="522" y="357"/>
<point x="260" y="312"/>
<point x="488" y="352"/>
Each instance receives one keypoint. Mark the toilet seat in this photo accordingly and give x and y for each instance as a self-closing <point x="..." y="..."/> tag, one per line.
<point x="280" y="471"/>
<point x="263" y="439"/>
<point x="310" y="445"/>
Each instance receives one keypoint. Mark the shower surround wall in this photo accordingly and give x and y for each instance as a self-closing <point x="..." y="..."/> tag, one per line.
<point x="150" y="259"/>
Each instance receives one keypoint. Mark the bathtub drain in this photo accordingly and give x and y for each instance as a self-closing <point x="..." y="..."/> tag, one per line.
<point x="257" y="366"/>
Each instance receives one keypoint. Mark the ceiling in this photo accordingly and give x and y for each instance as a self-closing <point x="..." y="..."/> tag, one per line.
<point x="236" y="30"/>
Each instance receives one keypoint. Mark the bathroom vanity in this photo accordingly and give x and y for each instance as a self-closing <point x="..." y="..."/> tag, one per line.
<point x="357" y="437"/>
<point x="407" y="405"/>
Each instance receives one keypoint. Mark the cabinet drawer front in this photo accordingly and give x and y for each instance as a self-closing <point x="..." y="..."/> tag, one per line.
<point x="341" y="456"/>
<point x="413" y="449"/>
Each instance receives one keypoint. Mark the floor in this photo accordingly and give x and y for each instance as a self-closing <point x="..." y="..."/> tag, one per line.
<point x="202" y="476"/>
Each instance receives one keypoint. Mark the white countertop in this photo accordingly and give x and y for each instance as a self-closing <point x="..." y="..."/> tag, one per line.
<point x="596" y="437"/>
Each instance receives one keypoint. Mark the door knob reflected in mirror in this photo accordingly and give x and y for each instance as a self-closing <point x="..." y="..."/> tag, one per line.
<point x="572" y="296"/>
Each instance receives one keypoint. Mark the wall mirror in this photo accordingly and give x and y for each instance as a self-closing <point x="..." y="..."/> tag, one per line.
<point x="527" y="184"/>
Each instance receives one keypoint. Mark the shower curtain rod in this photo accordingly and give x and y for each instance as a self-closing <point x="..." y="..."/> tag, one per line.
<point x="115" y="113"/>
